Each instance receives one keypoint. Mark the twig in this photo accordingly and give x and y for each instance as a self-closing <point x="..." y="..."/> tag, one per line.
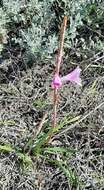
<point x="41" y="124"/>
<point x="94" y="31"/>
<point x="82" y="119"/>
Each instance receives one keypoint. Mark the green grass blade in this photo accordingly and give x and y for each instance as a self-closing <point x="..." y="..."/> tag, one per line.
<point x="71" y="176"/>
<point x="24" y="157"/>
<point x="54" y="150"/>
<point x="6" y="148"/>
<point x="66" y="121"/>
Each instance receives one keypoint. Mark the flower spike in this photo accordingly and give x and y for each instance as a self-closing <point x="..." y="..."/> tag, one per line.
<point x="73" y="77"/>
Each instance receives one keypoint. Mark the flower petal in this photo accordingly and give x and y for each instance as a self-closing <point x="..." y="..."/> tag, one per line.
<point x="56" y="83"/>
<point x="74" y="76"/>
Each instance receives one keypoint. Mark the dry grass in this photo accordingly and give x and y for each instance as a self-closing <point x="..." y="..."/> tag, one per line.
<point x="23" y="101"/>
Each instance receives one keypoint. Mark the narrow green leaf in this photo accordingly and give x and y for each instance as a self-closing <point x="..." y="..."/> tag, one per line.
<point x="6" y="148"/>
<point x="24" y="157"/>
<point x="54" y="150"/>
<point x="71" y="176"/>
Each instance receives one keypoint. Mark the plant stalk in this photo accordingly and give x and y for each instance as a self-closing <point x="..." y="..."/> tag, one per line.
<point x="57" y="70"/>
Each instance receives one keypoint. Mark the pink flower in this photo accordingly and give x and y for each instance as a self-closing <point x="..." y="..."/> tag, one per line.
<point x="56" y="83"/>
<point x="73" y="77"/>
